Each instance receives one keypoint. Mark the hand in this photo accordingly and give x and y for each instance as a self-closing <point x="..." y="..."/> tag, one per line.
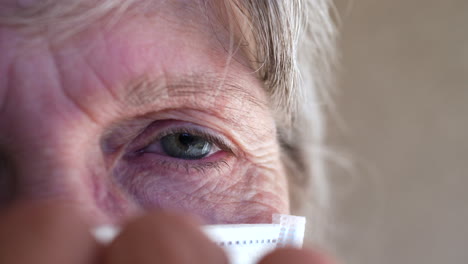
<point x="53" y="233"/>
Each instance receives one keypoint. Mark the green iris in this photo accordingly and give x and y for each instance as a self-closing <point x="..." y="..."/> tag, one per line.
<point x="185" y="146"/>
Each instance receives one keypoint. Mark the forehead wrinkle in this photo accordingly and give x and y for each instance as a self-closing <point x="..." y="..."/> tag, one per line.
<point x="147" y="90"/>
<point x="234" y="103"/>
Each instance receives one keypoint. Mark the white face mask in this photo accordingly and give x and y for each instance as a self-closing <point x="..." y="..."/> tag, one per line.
<point x="243" y="243"/>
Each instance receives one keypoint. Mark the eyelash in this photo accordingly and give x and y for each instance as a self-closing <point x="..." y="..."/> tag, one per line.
<point x="202" y="165"/>
<point x="218" y="141"/>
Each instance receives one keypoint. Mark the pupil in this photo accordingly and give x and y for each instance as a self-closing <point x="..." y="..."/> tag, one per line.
<point x="185" y="146"/>
<point x="186" y="140"/>
<point x="190" y="142"/>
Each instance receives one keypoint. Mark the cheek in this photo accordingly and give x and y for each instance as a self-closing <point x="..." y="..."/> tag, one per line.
<point x="233" y="192"/>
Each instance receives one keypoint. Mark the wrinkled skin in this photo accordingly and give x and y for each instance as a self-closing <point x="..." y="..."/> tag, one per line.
<point x="81" y="122"/>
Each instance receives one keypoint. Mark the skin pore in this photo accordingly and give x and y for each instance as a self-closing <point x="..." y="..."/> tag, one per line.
<point x="82" y="121"/>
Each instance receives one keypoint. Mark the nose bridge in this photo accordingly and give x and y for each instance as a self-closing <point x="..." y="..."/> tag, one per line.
<point x="47" y="156"/>
<point x="43" y="166"/>
<point x="40" y="133"/>
<point x="51" y="146"/>
<point x="52" y="168"/>
<point x="50" y="157"/>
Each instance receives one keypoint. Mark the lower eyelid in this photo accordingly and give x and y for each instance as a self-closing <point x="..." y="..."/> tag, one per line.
<point x="152" y="162"/>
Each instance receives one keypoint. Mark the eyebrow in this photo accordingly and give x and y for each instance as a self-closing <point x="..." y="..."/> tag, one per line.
<point x="145" y="90"/>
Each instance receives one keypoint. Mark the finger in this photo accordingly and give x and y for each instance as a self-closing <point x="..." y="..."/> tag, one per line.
<point x="163" y="238"/>
<point x="44" y="234"/>
<point x="296" y="256"/>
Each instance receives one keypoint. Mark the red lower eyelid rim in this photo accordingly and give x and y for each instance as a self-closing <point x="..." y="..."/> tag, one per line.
<point x="215" y="155"/>
<point x="148" y="162"/>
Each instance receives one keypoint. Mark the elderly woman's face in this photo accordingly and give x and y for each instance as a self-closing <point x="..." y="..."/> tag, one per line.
<point x="141" y="115"/>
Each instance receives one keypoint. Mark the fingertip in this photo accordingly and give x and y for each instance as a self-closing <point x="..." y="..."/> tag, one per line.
<point x="158" y="219"/>
<point x="46" y="231"/>
<point x="163" y="237"/>
<point x="296" y="256"/>
<point x="41" y="214"/>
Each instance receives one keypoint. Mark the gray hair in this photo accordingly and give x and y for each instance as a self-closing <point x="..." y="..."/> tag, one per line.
<point x="294" y="48"/>
<point x="291" y="44"/>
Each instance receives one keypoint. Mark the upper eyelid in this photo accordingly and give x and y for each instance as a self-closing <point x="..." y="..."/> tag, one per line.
<point x="121" y="135"/>
<point x="220" y="142"/>
<point x="151" y="134"/>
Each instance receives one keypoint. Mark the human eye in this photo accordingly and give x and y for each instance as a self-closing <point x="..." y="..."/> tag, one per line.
<point x="199" y="167"/>
<point x="184" y="143"/>
<point x="172" y="159"/>
<point x="172" y="146"/>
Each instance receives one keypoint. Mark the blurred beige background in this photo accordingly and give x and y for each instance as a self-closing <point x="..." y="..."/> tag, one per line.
<point x="403" y="100"/>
